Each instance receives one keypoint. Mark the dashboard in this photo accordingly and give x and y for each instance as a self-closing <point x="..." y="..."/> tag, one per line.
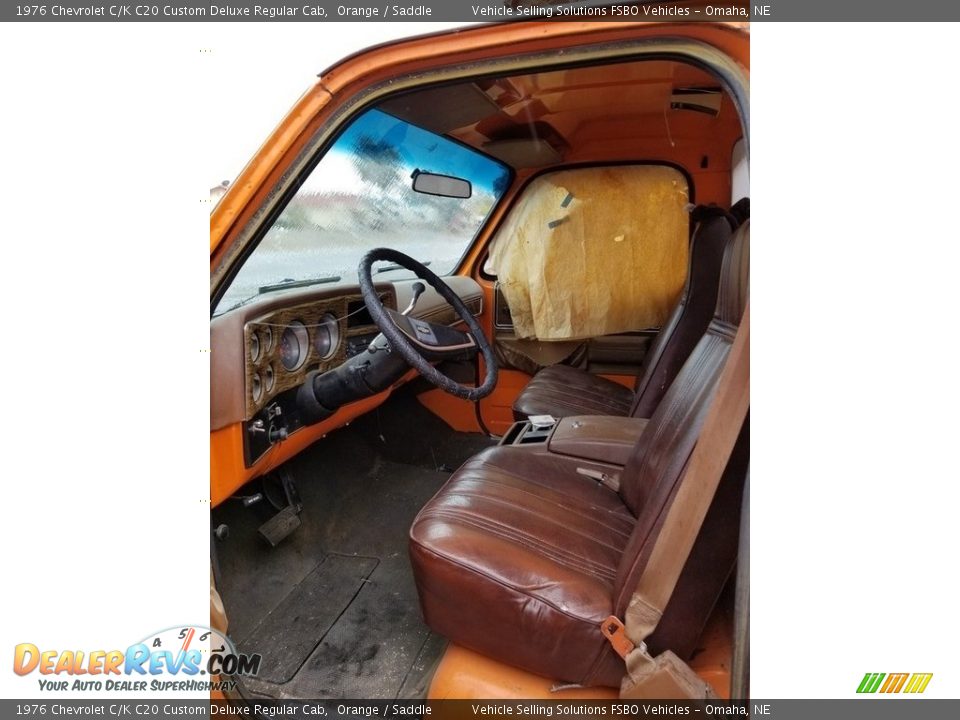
<point x="262" y="352"/>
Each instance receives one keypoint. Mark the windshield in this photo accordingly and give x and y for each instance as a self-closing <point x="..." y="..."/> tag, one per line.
<point x="359" y="197"/>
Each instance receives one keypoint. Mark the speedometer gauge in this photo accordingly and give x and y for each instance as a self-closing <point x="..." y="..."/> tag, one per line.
<point x="254" y="346"/>
<point x="327" y="338"/>
<point x="294" y="346"/>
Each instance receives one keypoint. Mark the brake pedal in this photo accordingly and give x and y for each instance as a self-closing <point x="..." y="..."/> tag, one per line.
<point x="287" y="499"/>
<point x="280" y="526"/>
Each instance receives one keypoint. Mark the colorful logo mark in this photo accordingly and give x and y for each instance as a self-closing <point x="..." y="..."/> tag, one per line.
<point x="189" y="650"/>
<point x="894" y="683"/>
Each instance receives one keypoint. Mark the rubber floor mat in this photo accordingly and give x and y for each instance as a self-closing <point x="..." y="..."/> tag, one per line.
<point x="288" y="635"/>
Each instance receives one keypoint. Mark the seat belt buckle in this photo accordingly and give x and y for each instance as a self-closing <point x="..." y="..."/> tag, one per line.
<point x="611" y="482"/>
<point x="614" y="631"/>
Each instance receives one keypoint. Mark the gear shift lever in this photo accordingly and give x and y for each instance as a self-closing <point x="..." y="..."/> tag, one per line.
<point x="418" y="290"/>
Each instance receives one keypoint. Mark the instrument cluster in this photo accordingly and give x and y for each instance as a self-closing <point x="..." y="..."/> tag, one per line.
<point x="281" y="348"/>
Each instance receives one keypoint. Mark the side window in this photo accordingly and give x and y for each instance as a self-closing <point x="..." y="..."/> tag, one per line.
<point x="594" y="251"/>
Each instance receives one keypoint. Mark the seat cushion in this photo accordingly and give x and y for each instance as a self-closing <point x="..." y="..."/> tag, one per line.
<point x="562" y="391"/>
<point x="516" y="558"/>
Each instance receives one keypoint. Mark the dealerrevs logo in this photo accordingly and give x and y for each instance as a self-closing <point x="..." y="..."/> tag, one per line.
<point x="179" y="658"/>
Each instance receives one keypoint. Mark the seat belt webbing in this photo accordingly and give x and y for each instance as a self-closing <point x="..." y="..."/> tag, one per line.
<point x="687" y="512"/>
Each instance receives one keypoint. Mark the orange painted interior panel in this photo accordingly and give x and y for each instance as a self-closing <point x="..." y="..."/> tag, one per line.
<point x="714" y="661"/>
<point x="628" y="381"/>
<point x="227" y="471"/>
<point x="616" y="113"/>
<point x="465" y="675"/>
<point x="497" y="408"/>
<point x="459" y="414"/>
<point x="513" y="39"/>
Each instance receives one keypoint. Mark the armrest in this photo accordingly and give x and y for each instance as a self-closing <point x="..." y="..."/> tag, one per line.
<point x="602" y="438"/>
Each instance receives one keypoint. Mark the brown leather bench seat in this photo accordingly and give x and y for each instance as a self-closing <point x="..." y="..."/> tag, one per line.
<point x="519" y="547"/>
<point x="520" y="557"/>
<point x="561" y="391"/>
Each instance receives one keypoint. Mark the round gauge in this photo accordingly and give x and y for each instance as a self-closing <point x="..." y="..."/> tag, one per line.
<point x="256" y="387"/>
<point x="267" y="338"/>
<point x="268" y="378"/>
<point x="254" y="346"/>
<point x="294" y="345"/>
<point x="327" y="339"/>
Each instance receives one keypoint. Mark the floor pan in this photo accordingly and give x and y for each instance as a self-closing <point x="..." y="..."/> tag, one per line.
<point x="288" y="635"/>
<point x="345" y="631"/>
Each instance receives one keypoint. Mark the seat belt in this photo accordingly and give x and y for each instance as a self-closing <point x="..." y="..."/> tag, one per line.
<point x="667" y="676"/>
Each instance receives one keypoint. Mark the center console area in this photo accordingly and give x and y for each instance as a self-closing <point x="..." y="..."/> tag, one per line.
<point x="604" y="439"/>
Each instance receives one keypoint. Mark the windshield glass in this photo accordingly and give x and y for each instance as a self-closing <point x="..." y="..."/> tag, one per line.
<point x="359" y="197"/>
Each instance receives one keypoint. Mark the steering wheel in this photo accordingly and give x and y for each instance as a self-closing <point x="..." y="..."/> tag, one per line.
<point x="419" y="341"/>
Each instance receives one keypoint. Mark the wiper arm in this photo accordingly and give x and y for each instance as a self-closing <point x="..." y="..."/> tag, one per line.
<point x="391" y="268"/>
<point x="291" y="283"/>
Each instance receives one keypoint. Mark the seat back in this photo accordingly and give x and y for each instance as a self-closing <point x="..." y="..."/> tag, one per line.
<point x="689" y="319"/>
<point x="655" y="469"/>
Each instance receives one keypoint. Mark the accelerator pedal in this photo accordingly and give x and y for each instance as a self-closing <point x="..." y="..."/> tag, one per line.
<point x="282" y="493"/>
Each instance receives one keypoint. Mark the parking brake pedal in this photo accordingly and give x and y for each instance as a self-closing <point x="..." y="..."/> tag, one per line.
<point x="281" y="525"/>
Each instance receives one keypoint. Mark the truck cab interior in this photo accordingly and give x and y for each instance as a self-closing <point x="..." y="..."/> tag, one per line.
<point x="467" y="325"/>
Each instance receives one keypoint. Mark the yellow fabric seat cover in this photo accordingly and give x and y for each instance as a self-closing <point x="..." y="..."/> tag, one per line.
<point x="594" y="251"/>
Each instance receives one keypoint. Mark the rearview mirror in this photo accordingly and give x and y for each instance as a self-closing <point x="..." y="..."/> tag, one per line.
<point x="442" y="185"/>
